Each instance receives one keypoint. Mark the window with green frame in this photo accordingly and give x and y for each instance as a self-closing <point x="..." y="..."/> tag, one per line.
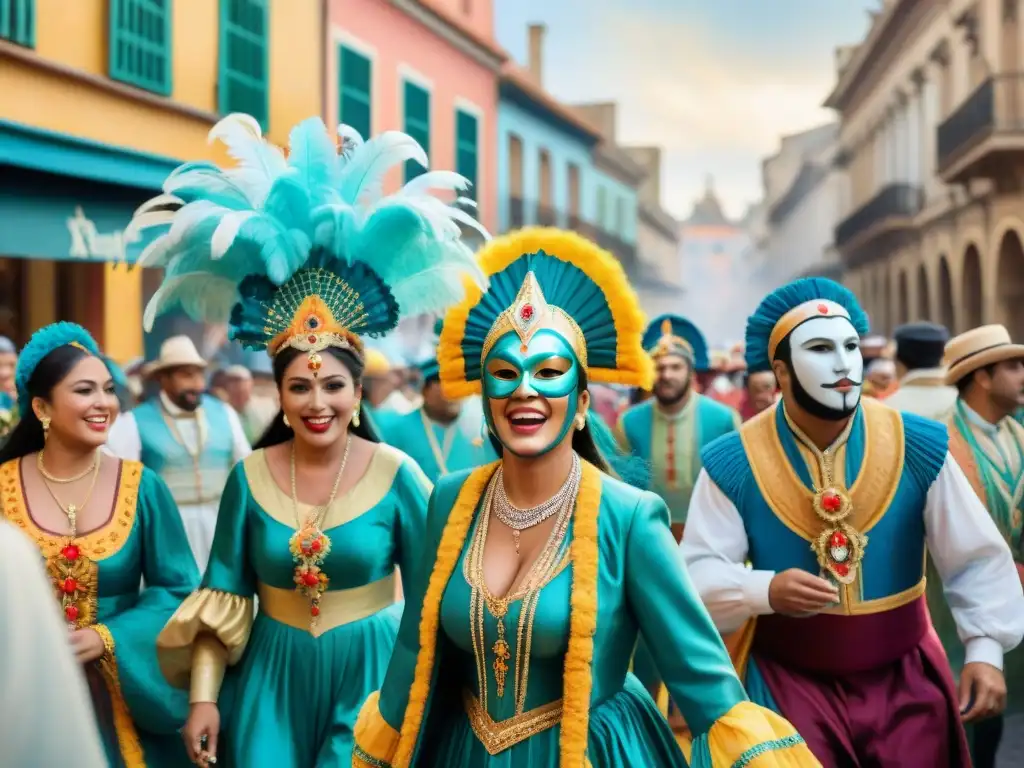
<point x="242" y="80"/>
<point x="602" y="208"/>
<point x="417" y="123"/>
<point x="355" y="90"/>
<point x="140" y="44"/>
<point x="467" y="149"/>
<point x="18" y="22"/>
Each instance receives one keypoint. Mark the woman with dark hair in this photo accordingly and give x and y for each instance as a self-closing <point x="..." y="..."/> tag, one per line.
<point x="542" y="568"/>
<point x="313" y="524"/>
<point x="103" y="527"/>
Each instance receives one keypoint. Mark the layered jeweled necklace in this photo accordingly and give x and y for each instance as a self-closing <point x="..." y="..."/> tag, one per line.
<point x="70" y="510"/>
<point x="309" y="545"/>
<point x="520" y="519"/>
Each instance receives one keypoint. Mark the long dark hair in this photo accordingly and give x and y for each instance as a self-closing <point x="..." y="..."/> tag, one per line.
<point x="28" y="436"/>
<point x="278" y="433"/>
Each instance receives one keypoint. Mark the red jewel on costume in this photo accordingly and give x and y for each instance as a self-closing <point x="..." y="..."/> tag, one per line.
<point x="311" y="338"/>
<point x="526" y="312"/>
<point x="831" y="501"/>
<point x="70" y="552"/>
<point x="309" y="579"/>
<point x="823" y="309"/>
<point x="837" y="540"/>
<point x="71" y="613"/>
<point x="842" y="569"/>
<point x="315" y="546"/>
<point x="69" y="586"/>
<point x="314" y="610"/>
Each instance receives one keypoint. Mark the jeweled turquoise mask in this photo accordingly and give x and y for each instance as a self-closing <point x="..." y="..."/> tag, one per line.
<point x="547" y="367"/>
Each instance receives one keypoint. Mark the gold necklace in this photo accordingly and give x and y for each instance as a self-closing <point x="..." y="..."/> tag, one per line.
<point x="64" y="480"/>
<point x="440" y="456"/>
<point x="72" y="510"/>
<point x="309" y="545"/>
<point x="195" y="455"/>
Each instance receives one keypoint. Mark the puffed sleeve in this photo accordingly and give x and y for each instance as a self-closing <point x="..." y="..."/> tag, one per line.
<point x="686" y="648"/>
<point x="210" y="629"/>
<point x="380" y="720"/>
<point x="170" y="574"/>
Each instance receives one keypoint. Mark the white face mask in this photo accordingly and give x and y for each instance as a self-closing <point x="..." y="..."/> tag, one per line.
<point x="827" y="361"/>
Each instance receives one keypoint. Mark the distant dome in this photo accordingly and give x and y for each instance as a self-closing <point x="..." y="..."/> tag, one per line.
<point x="707" y="211"/>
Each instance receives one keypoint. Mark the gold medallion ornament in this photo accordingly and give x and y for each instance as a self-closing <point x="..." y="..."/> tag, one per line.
<point x="839" y="547"/>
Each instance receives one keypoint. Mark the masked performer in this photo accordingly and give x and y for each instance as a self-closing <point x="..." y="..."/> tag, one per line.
<point x="835" y="500"/>
<point x="542" y="568"/>
<point x="315" y="521"/>
<point x="103" y="527"/>
<point x="670" y="429"/>
<point x="440" y="434"/>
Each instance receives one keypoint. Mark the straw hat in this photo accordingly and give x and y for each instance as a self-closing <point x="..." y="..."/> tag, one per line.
<point x="175" y="352"/>
<point x="977" y="348"/>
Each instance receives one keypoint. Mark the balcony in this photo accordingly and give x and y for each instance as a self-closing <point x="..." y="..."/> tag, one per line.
<point x="984" y="137"/>
<point x="546" y="216"/>
<point x="878" y="225"/>
<point x="584" y="228"/>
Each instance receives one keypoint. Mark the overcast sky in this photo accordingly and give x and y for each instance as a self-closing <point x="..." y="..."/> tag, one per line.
<point x="715" y="83"/>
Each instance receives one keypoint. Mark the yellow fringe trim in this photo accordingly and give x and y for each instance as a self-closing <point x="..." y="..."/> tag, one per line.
<point x="582" y="622"/>
<point x="633" y="366"/>
<point x="375" y="740"/>
<point x="749" y="736"/>
<point x="448" y="554"/>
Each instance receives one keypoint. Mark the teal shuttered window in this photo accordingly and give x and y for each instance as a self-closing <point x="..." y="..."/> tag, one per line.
<point x="417" y="123"/>
<point x="355" y="100"/>
<point x="467" y="149"/>
<point x="18" y="22"/>
<point x="140" y="44"/>
<point x="242" y="80"/>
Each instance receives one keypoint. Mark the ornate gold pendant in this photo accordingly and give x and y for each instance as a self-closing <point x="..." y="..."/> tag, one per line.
<point x="309" y="547"/>
<point x="839" y="548"/>
<point x="502" y="655"/>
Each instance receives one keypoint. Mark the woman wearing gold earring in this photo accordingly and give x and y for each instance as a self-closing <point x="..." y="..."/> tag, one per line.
<point x="313" y="524"/>
<point x="102" y="526"/>
<point x="543" y="568"/>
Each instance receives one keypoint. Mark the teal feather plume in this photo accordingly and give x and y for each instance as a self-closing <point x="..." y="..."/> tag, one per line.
<point x="777" y="303"/>
<point x="269" y="214"/>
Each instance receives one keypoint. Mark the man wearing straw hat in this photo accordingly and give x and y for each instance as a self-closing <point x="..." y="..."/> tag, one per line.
<point x="988" y="371"/>
<point x="190" y="439"/>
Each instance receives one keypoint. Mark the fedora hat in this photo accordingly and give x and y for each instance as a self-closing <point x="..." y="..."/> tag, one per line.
<point x="175" y="352"/>
<point x="977" y="348"/>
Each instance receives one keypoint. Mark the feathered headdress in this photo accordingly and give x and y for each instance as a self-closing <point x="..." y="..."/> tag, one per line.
<point x="305" y="251"/>
<point x="547" y="278"/>
<point x="675" y="335"/>
<point x="429" y="369"/>
<point x="46" y="340"/>
<point x="782" y="310"/>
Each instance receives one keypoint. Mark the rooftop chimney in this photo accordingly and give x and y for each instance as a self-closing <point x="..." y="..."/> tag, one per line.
<point x="536" y="52"/>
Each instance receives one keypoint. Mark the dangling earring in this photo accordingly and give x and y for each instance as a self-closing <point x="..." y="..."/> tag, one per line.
<point x="581" y="422"/>
<point x="287" y="423"/>
<point x="45" y="421"/>
<point x="355" y="415"/>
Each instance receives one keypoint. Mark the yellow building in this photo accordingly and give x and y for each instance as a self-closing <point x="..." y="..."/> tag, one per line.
<point x="932" y="133"/>
<point x="99" y="100"/>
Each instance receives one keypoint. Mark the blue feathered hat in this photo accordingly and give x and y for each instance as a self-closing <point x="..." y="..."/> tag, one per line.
<point x="675" y="335"/>
<point x="306" y="251"/>
<point x="782" y="310"/>
<point x="547" y="278"/>
<point x="46" y="340"/>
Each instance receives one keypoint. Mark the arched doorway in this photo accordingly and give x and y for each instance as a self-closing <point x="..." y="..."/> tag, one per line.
<point x="945" y="308"/>
<point x="903" y="308"/>
<point x="924" y="301"/>
<point x="972" y="288"/>
<point x="1010" y="284"/>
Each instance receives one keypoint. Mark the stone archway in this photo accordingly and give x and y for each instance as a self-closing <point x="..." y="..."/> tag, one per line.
<point x="972" y="316"/>
<point x="1010" y="284"/>
<point x="903" y="299"/>
<point x="924" y="300"/>
<point x="946" y="313"/>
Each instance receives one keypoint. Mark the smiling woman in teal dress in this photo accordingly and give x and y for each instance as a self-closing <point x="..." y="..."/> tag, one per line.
<point x="542" y="569"/>
<point x="313" y="524"/>
<point x="103" y="527"/>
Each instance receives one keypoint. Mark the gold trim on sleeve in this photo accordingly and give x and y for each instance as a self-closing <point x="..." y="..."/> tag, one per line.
<point x="209" y="660"/>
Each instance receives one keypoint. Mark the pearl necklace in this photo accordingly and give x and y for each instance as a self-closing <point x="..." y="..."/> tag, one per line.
<point x="520" y="519"/>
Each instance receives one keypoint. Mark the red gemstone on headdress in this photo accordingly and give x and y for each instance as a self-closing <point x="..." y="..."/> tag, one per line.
<point x="830" y="501"/>
<point x="69" y="586"/>
<point x="71" y="613"/>
<point x="841" y="568"/>
<point x="823" y="309"/>
<point x="526" y="311"/>
<point x="311" y="338"/>
<point x="837" y="540"/>
<point x="70" y="552"/>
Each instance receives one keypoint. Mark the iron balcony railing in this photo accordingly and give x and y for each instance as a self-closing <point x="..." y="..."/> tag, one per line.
<point x="894" y="201"/>
<point x="995" y="106"/>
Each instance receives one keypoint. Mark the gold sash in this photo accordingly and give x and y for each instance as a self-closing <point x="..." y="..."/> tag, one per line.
<point x="499" y="736"/>
<point x="337" y="607"/>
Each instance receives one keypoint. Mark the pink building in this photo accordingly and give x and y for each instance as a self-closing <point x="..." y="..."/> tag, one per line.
<point x="426" y="67"/>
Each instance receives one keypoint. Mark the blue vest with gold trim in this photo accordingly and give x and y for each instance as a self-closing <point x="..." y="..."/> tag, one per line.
<point x="891" y="461"/>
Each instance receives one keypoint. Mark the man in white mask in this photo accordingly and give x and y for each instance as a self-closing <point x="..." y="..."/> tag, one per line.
<point x="833" y="500"/>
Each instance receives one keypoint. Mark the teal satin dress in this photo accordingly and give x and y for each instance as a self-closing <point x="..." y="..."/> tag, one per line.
<point x="292" y="695"/>
<point x="138" y="713"/>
